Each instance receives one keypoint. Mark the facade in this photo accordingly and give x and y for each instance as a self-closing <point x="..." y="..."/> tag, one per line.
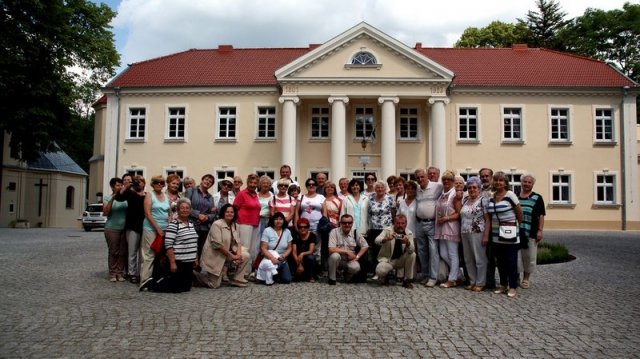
<point x="363" y="101"/>
<point x="49" y="192"/>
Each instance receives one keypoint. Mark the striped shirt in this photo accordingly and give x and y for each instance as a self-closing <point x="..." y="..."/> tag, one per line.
<point x="285" y="205"/>
<point x="183" y="238"/>
<point x="502" y="212"/>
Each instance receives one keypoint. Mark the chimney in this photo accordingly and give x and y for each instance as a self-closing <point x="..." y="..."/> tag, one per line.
<point x="225" y="49"/>
<point x="418" y="45"/>
<point x="520" y="47"/>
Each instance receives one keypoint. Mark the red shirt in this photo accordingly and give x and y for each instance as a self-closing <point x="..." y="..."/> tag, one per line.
<point x="248" y="207"/>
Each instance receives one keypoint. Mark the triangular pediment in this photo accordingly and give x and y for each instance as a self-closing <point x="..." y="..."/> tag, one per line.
<point x="332" y="61"/>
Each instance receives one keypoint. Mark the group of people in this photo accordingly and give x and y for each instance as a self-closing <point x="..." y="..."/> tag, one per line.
<point x="273" y="231"/>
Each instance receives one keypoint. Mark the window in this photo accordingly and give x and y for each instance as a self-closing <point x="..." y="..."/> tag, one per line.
<point x="514" y="182"/>
<point x="408" y="123"/>
<point x="135" y="172"/>
<point x="467" y="175"/>
<point x="512" y="124"/>
<point x="561" y="188"/>
<point x="227" y="123"/>
<point x="605" y="189"/>
<point x="468" y="124"/>
<point x="559" y="125"/>
<point x="359" y="175"/>
<point x="176" y="123"/>
<point x="71" y="191"/>
<point x="363" y="58"/>
<point x="365" y="123"/>
<point x="320" y="122"/>
<point x="268" y="173"/>
<point x="604" y="125"/>
<point x="266" y="122"/>
<point x="137" y="122"/>
<point x="408" y="176"/>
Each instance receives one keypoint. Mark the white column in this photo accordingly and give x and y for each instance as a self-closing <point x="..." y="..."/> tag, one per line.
<point x="388" y="137"/>
<point x="111" y="141"/>
<point x="630" y="163"/>
<point x="288" y="154"/>
<point x="338" y="137"/>
<point x="439" y="133"/>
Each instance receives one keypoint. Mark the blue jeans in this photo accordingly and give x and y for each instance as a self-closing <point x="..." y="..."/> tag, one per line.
<point x="427" y="247"/>
<point x="284" y="274"/>
<point x="507" y="258"/>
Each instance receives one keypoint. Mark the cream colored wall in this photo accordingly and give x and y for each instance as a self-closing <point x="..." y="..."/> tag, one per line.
<point x="96" y="168"/>
<point x="10" y="197"/>
<point x="581" y="158"/>
<point x="59" y="215"/>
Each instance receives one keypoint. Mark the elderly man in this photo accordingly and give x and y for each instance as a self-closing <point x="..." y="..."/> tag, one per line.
<point x="237" y="185"/>
<point x="486" y="177"/>
<point x="285" y="173"/>
<point x="426" y="198"/>
<point x="343" y="242"/>
<point x="321" y="178"/>
<point x="396" y="251"/>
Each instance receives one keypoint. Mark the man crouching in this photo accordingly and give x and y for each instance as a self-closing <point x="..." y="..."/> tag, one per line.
<point x="346" y="247"/>
<point x="396" y="251"/>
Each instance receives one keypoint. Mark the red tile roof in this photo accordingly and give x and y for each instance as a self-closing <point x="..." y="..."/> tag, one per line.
<point x="519" y="67"/>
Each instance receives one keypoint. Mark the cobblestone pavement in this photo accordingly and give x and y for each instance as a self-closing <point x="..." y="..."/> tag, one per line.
<point x="56" y="301"/>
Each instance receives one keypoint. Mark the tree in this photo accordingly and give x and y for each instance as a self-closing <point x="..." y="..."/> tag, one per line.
<point x="611" y="36"/>
<point x="545" y="24"/>
<point x="41" y="42"/>
<point x="496" y="34"/>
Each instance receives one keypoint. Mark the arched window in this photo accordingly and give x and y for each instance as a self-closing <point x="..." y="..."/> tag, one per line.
<point x="363" y="58"/>
<point x="70" y="197"/>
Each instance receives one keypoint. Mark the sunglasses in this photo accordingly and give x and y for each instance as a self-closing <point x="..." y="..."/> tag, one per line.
<point x="311" y="185"/>
<point x="303" y="227"/>
<point x="162" y="183"/>
<point x="371" y="179"/>
<point x="347" y="223"/>
<point x="282" y="185"/>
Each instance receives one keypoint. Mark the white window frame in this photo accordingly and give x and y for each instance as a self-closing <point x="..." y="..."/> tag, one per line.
<point x="570" y="202"/>
<point x="168" y="170"/>
<point x="359" y="174"/>
<point x="219" y="117"/>
<point x="371" y="138"/>
<point x="597" y="141"/>
<point x="136" y="169"/>
<point x="266" y="170"/>
<point x="169" y="117"/>
<point x="503" y="117"/>
<point x="468" y="173"/>
<point x="350" y="65"/>
<point x="553" y="128"/>
<point x="319" y="117"/>
<point x="409" y="116"/>
<point x="130" y="118"/>
<point x="467" y="117"/>
<point x="268" y="117"/>
<point x="407" y="175"/>
<point x="221" y="173"/>
<point x="597" y="186"/>
<point x="512" y="182"/>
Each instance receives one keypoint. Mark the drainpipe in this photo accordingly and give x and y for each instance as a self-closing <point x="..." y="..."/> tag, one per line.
<point x="623" y="181"/>
<point x="117" y="90"/>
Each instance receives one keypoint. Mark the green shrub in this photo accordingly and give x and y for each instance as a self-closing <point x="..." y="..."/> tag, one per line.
<point x="552" y="253"/>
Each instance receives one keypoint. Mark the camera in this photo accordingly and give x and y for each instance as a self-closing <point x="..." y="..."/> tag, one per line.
<point x="136" y="185"/>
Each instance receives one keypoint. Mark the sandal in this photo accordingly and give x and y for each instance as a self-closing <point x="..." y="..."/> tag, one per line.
<point x="500" y="290"/>
<point x="525" y="284"/>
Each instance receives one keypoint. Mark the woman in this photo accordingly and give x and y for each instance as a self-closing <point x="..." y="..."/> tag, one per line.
<point x="188" y="182"/>
<point x="310" y="205"/>
<point x="248" y="207"/>
<point x="133" y="193"/>
<point x="202" y="208"/>
<point x="331" y="208"/>
<point x="283" y="202"/>
<point x="225" y="195"/>
<point x="448" y="228"/>
<point x="504" y="209"/>
<point x="370" y="180"/>
<point x="400" y="191"/>
<point x="343" y="185"/>
<point x="181" y="245"/>
<point x="156" y="219"/>
<point x="222" y="250"/>
<point x="407" y="206"/>
<point x="114" y="232"/>
<point x="357" y="206"/>
<point x="531" y="227"/>
<point x="265" y="198"/>
<point x="276" y="247"/>
<point x="302" y="260"/>
<point x="391" y="184"/>
<point x="381" y="210"/>
<point x="473" y="224"/>
<point x="173" y="185"/>
<point x="294" y="191"/>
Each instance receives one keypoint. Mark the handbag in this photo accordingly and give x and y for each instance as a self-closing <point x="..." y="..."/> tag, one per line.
<point x="157" y="246"/>
<point x="506" y="232"/>
<point x="260" y="256"/>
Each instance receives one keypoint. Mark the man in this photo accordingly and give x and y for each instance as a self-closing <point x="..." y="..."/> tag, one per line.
<point x="342" y="245"/>
<point x="396" y="251"/>
<point x="486" y="178"/>
<point x="426" y="198"/>
<point x="433" y="173"/>
<point x="285" y="173"/>
<point x="321" y="179"/>
<point x="237" y="185"/>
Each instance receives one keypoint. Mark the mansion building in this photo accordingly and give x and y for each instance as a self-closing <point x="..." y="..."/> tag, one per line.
<point x="365" y="102"/>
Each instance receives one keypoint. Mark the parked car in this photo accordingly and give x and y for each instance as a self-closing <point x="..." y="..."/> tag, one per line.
<point x="93" y="217"/>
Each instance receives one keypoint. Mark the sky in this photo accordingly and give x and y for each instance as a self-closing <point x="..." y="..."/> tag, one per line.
<point x="146" y="29"/>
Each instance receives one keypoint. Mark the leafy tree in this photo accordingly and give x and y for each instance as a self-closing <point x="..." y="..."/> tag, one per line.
<point x="612" y="36"/>
<point x="496" y="34"/>
<point x="41" y="42"/>
<point x="544" y="24"/>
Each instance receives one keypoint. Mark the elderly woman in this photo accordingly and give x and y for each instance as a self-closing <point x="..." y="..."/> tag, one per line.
<point x="276" y="247"/>
<point x="173" y="185"/>
<point x="343" y="186"/>
<point x="505" y="212"/>
<point x="357" y="206"/>
<point x="400" y="192"/>
<point x="310" y="205"/>
<point x="221" y="250"/>
<point x="473" y="220"/>
<point x="157" y="216"/>
<point x="248" y="207"/>
<point x="302" y="260"/>
<point x="114" y="232"/>
<point x="370" y="180"/>
<point x="448" y="228"/>
<point x="391" y="184"/>
<point x="187" y="183"/>
<point x="225" y="195"/>
<point x="331" y="208"/>
<point x="181" y="245"/>
<point x="283" y="202"/>
<point x="381" y="211"/>
<point x="202" y="208"/>
<point x="265" y="197"/>
<point x="531" y="227"/>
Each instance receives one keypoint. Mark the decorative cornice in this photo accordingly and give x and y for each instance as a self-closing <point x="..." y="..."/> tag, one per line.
<point x="535" y="91"/>
<point x="383" y="99"/>
<point x="344" y="99"/>
<point x="195" y="91"/>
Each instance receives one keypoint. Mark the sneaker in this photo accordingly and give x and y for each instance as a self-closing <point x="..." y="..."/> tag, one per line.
<point x="431" y="283"/>
<point x="146" y="285"/>
<point x="113" y="279"/>
<point x="512" y="293"/>
<point x="134" y="279"/>
<point x="332" y="282"/>
<point x="252" y="277"/>
<point x="448" y="284"/>
<point x="375" y="277"/>
<point x="500" y="290"/>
